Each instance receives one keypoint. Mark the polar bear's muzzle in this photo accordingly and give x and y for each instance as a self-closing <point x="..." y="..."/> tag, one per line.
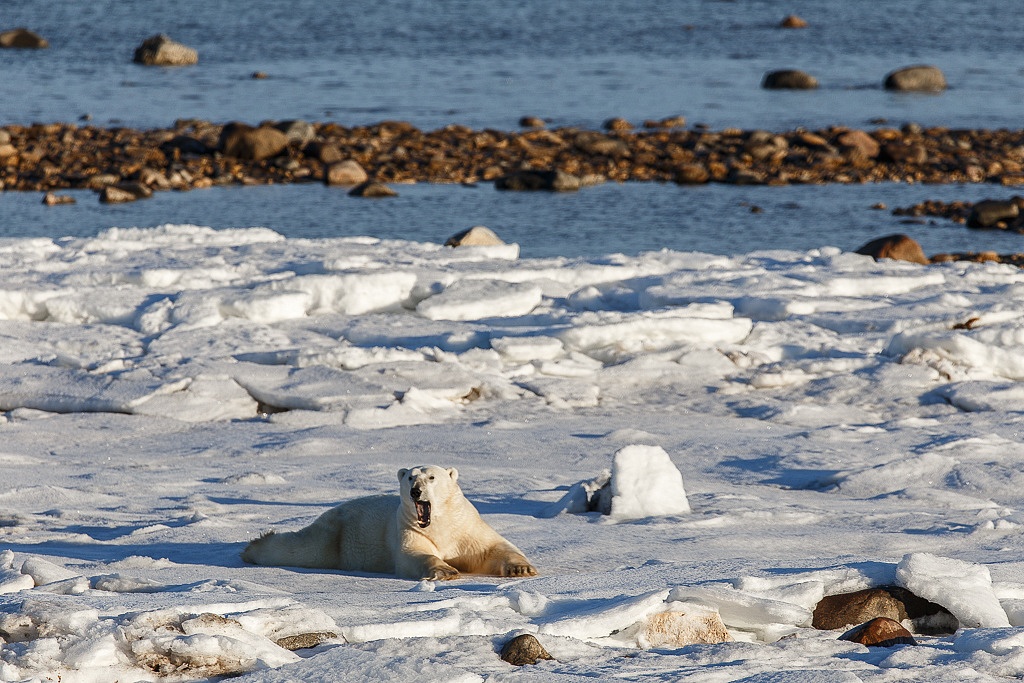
<point x="422" y="508"/>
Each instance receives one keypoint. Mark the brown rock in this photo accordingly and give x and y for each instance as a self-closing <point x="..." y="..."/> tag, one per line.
<point x="22" y="38"/>
<point x="325" y="152"/>
<point x="347" y="172"/>
<point x="7" y="150"/>
<point x="253" y="144"/>
<point x="477" y="236"/>
<point x="789" y="79"/>
<point x="532" y="122"/>
<point x="617" y="123"/>
<point x="920" y="78"/>
<point x="114" y="195"/>
<point x="842" y="610"/>
<point x="847" y="609"/>
<point x="667" y="122"/>
<point x="138" y="189"/>
<point x="989" y="213"/>
<point x="880" y="632"/>
<point x="904" y="153"/>
<point x="304" y="641"/>
<point x="692" y="174"/>
<point x="859" y="142"/>
<point x="160" y="50"/>
<point x="51" y="199"/>
<point x="297" y="131"/>
<point x="552" y="181"/>
<point x="601" y="145"/>
<point x="372" y="189"/>
<point x="524" y="649"/>
<point x="896" y="247"/>
<point x="793" y="21"/>
<point x="811" y="140"/>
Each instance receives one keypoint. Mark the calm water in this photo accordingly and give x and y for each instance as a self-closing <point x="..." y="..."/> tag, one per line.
<point x="485" y="65"/>
<point x="626" y="218"/>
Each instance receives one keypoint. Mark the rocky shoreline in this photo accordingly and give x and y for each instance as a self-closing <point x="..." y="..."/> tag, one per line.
<point x="125" y="164"/>
<point x="196" y="154"/>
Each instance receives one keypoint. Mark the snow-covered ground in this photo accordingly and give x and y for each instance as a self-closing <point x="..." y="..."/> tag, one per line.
<point x="170" y="393"/>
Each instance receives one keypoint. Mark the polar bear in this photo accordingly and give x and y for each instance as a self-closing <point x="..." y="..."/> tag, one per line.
<point x="430" y="532"/>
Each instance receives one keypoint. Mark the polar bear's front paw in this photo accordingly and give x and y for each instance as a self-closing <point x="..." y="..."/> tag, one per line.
<point x="518" y="569"/>
<point x="442" y="573"/>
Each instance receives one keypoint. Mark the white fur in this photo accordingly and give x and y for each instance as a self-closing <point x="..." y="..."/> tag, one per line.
<point x="382" y="534"/>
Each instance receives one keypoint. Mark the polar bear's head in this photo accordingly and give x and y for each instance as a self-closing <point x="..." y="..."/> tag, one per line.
<point x="426" y="486"/>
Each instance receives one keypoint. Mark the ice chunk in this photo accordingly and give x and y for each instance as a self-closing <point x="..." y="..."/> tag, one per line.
<point x="965" y="589"/>
<point x="743" y="610"/>
<point x="12" y="581"/>
<point x="645" y="483"/>
<point x="480" y="299"/>
<point x="43" y="571"/>
<point x="601" y="618"/>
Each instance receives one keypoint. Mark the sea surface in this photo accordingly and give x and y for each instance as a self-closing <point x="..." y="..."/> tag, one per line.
<point x="487" y="64"/>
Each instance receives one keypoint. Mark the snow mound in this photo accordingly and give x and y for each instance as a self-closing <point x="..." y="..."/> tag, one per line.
<point x="646" y="483"/>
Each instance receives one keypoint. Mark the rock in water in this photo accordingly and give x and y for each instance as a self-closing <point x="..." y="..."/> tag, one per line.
<point x="22" y="38"/>
<point x="524" y="649"/>
<point x="115" y="195"/>
<point x="160" y="50"/>
<point x="372" y="189"/>
<point x="989" y="213"/>
<point x="51" y="199"/>
<point x="789" y="79"/>
<point x="477" y="236"/>
<point x="552" y="181"/>
<point x="793" y="21"/>
<point x="896" y="247"/>
<point x="920" y="78"/>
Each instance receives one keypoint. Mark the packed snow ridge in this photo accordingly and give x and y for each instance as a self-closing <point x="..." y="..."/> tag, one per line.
<point x="665" y="434"/>
<point x="200" y="325"/>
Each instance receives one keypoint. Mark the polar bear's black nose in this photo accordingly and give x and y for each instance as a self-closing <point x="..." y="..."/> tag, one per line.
<point x="415" y="492"/>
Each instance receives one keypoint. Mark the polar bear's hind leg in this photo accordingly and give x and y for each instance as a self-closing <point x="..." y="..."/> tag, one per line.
<point x="305" y="548"/>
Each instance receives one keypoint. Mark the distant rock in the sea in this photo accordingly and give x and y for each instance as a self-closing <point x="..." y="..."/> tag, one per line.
<point x="22" y="38"/>
<point x="991" y="213"/>
<point x="160" y="50"/>
<point x="552" y="181"/>
<point x="920" y="78"/>
<point x="531" y="122"/>
<point x="793" y="21"/>
<point x="789" y="79"/>
<point x="896" y="247"/>
<point x="477" y="236"/>
<point x="372" y="189"/>
<point x="53" y="199"/>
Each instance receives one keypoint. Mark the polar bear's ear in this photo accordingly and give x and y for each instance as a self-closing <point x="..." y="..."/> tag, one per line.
<point x="453" y="473"/>
<point x="401" y="473"/>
